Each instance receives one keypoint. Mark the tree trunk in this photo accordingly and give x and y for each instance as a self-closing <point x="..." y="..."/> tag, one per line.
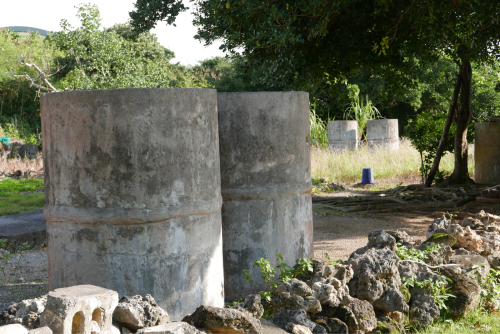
<point x="461" y="172"/>
<point x="444" y="136"/>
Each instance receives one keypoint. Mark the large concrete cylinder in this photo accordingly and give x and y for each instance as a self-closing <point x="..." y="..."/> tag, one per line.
<point x="487" y="153"/>
<point x="383" y="133"/>
<point x="343" y="135"/>
<point x="132" y="193"/>
<point x="266" y="182"/>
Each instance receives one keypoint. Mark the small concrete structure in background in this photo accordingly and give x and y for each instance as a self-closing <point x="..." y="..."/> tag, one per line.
<point x="383" y="133"/>
<point x="132" y="189"/>
<point x="343" y="135"/>
<point x="83" y="309"/>
<point x="487" y="153"/>
<point x="266" y="182"/>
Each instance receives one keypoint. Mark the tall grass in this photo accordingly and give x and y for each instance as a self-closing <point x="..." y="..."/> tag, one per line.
<point x="389" y="167"/>
<point x="12" y="165"/>
<point x="319" y="130"/>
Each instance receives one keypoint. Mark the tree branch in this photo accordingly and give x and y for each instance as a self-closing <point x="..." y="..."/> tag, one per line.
<point x="33" y="84"/>
<point x="41" y="76"/>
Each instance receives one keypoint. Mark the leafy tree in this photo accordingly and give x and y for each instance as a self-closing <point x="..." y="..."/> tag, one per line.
<point x="301" y="41"/>
<point x="19" y="103"/>
<point x="98" y="58"/>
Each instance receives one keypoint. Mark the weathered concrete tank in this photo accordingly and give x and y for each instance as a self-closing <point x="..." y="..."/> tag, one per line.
<point x="343" y="135"/>
<point x="487" y="153"/>
<point x="132" y="193"/>
<point x="266" y="182"/>
<point x="383" y="133"/>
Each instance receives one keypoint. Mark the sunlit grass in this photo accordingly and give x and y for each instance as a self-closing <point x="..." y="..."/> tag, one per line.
<point x="389" y="167"/>
<point x="11" y="202"/>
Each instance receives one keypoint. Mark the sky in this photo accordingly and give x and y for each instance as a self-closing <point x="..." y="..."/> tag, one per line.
<point x="47" y="14"/>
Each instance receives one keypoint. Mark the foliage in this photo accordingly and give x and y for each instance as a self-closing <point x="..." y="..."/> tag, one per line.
<point x="361" y="113"/>
<point x="424" y="132"/>
<point x="267" y="272"/>
<point x="6" y="257"/>
<point x="417" y="255"/>
<point x="19" y="103"/>
<point x="318" y="130"/>
<point x="98" y="58"/>
<point x="490" y="289"/>
<point x="300" y="43"/>
<point x="438" y="289"/>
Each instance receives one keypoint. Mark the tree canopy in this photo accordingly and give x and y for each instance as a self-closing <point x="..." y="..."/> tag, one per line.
<point x="304" y="41"/>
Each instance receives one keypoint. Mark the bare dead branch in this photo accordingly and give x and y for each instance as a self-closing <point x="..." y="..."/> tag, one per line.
<point x="33" y="84"/>
<point x="42" y="75"/>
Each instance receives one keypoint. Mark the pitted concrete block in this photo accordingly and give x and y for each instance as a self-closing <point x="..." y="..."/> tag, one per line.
<point x="79" y="309"/>
<point x="41" y="330"/>
<point x="13" y="329"/>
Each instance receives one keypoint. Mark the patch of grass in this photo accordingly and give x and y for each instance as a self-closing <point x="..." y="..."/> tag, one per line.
<point x="390" y="168"/>
<point x="10" y="205"/>
<point x="478" y="321"/>
<point x="11" y="187"/>
<point x="11" y="202"/>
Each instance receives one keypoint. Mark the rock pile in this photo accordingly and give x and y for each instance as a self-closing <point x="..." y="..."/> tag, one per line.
<point x="362" y="295"/>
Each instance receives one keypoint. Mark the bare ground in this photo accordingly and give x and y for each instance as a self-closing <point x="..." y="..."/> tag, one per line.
<point x="343" y="219"/>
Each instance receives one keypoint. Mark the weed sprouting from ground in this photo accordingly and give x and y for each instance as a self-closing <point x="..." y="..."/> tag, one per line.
<point x="389" y="167"/>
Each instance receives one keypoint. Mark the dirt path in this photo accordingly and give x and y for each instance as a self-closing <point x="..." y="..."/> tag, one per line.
<point x="339" y="235"/>
<point x="343" y="219"/>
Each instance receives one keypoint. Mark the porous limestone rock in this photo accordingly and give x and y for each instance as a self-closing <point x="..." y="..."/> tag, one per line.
<point x="467" y="294"/>
<point x="138" y="312"/>
<point x="331" y="292"/>
<point x="334" y="326"/>
<point x="439" y="225"/>
<point x="380" y="239"/>
<point x="494" y="259"/>
<point x="341" y="272"/>
<point x="286" y="301"/>
<point x="358" y="315"/>
<point x="466" y="238"/>
<point x="423" y="309"/>
<point x="376" y="279"/>
<point x="170" y="328"/>
<point x="252" y="304"/>
<point x="295" y="287"/>
<point x="472" y="264"/>
<point x="363" y="314"/>
<point x="223" y="320"/>
<point x="491" y="242"/>
<point x="402" y="237"/>
<point x="28" y="312"/>
<point x="299" y="329"/>
<point x="487" y="217"/>
<point x="288" y="318"/>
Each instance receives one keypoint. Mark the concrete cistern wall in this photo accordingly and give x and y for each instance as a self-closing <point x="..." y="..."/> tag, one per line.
<point x="132" y="187"/>
<point x="266" y="182"/>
